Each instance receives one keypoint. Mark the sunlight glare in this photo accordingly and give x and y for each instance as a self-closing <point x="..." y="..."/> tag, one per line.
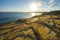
<point x="33" y="14"/>
<point x="33" y="7"/>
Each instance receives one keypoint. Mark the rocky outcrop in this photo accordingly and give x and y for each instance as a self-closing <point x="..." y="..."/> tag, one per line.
<point x="42" y="27"/>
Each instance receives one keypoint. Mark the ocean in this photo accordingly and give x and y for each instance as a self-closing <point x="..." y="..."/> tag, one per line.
<point x="6" y="17"/>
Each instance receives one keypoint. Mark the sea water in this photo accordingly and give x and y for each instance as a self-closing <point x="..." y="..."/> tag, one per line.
<point x="9" y="16"/>
<point x="6" y="17"/>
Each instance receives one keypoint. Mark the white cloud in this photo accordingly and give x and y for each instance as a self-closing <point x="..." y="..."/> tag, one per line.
<point x="51" y="5"/>
<point x="41" y="4"/>
<point x="58" y="5"/>
<point x="51" y="1"/>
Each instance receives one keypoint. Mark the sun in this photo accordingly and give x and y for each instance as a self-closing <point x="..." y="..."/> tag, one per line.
<point x="33" y="7"/>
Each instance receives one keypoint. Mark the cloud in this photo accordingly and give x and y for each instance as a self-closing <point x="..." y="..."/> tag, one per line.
<point x="51" y="1"/>
<point x="58" y="5"/>
<point x="41" y="4"/>
<point x="52" y="5"/>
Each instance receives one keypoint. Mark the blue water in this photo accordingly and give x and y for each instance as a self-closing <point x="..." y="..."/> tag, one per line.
<point x="9" y="16"/>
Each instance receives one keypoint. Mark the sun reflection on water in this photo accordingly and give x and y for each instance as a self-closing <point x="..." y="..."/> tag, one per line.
<point x="35" y="14"/>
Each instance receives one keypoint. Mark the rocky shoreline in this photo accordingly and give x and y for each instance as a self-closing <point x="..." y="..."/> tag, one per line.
<point x="45" y="27"/>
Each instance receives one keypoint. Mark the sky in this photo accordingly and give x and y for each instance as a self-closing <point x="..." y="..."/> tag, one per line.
<point x="29" y="5"/>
